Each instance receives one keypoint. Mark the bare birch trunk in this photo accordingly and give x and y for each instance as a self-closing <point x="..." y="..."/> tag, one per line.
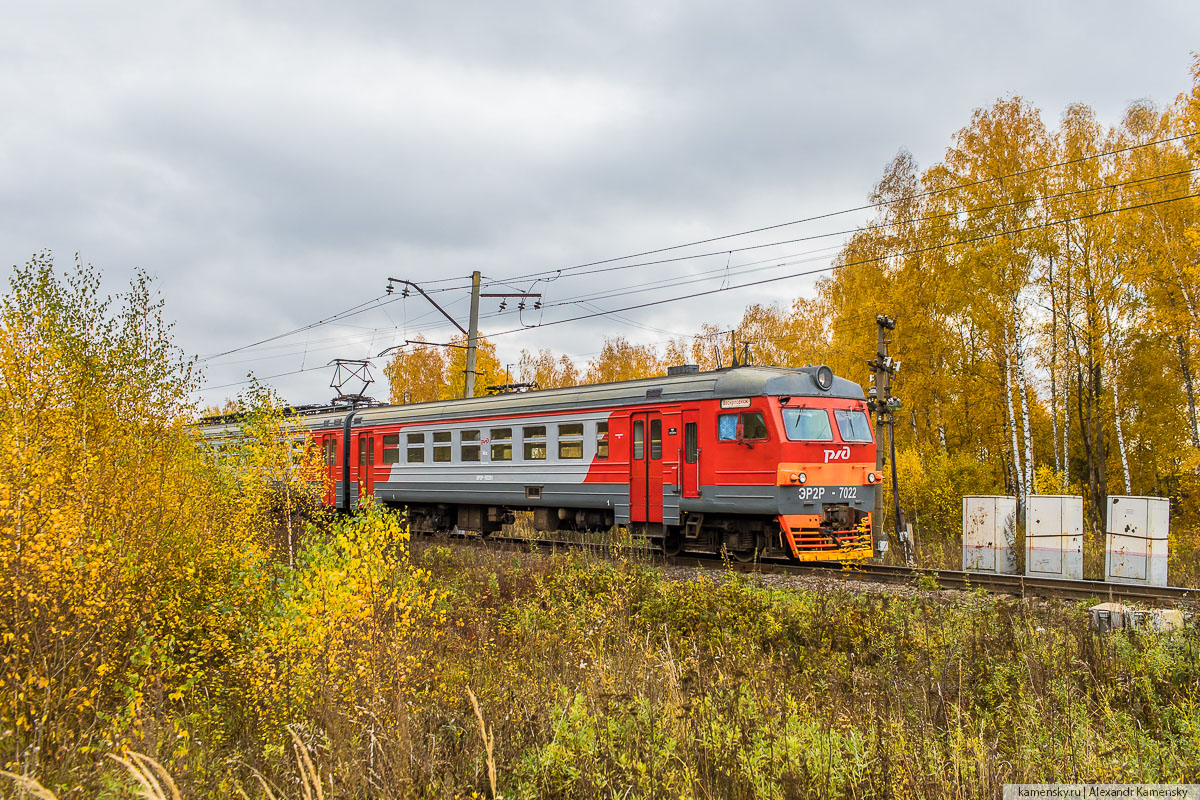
<point x="1012" y="421"/>
<point x="287" y="510"/>
<point x="1114" y="377"/>
<point x="1058" y="456"/>
<point x="1025" y="422"/>
<point x="1120" y="433"/>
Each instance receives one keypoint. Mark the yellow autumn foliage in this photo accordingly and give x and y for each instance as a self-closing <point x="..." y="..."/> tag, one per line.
<point x="162" y="593"/>
<point x="352" y="591"/>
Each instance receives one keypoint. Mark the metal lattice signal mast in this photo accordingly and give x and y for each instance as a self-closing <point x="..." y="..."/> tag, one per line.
<point x="883" y="405"/>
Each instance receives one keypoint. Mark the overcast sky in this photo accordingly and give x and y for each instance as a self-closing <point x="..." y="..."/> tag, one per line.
<point x="271" y="164"/>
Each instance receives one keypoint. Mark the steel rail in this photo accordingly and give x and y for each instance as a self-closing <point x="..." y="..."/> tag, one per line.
<point x="1019" y="585"/>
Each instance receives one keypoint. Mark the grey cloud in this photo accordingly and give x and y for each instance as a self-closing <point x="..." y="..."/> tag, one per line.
<point x="273" y="163"/>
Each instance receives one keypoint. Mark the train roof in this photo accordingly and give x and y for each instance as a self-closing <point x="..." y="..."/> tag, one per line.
<point x="724" y="383"/>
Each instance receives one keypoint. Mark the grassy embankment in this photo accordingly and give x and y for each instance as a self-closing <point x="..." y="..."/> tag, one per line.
<point x="602" y="679"/>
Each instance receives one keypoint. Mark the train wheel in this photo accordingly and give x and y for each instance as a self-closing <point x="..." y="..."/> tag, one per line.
<point x="742" y="547"/>
<point x="744" y="555"/>
<point x="672" y="543"/>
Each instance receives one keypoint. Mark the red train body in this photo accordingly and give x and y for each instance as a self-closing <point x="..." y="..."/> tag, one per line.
<point x="750" y="460"/>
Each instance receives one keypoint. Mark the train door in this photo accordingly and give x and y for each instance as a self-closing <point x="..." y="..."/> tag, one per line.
<point x="329" y="448"/>
<point x="366" y="464"/>
<point x="689" y="465"/>
<point x="645" y="467"/>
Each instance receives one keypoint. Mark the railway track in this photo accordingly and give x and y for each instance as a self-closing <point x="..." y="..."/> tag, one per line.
<point x="1018" y="585"/>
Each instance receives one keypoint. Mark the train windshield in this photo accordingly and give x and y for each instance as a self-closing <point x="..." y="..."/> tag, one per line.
<point x="807" y="425"/>
<point x="853" y="425"/>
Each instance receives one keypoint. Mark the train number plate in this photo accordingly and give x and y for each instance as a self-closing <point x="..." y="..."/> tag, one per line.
<point x="833" y="493"/>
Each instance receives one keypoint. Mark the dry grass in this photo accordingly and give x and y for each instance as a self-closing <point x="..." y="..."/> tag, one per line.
<point x="151" y="777"/>
<point x="489" y="742"/>
<point x="605" y="679"/>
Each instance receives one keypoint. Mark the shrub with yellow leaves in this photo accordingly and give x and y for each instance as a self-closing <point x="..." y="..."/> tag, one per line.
<point x="129" y="578"/>
<point x="341" y="633"/>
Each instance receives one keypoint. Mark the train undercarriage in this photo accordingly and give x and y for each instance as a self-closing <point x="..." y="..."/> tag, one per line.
<point x="838" y="534"/>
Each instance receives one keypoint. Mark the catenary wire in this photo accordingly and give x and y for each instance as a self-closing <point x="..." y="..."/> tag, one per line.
<point x="856" y="209"/>
<point x="363" y="307"/>
<point x="830" y="268"/>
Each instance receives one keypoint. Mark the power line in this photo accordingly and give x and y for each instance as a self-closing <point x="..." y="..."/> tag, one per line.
<point x="330" y="320"/>
<point x="264" y="378"/>
<point x="831" y="268"/>
<point x="362" y="307"/>
<point x="907" y="198"/>
<point x="816" y="271"/>
<point x="796" y="258"/>
<point x="878" y="226"/>
<point x="339" y="315"/>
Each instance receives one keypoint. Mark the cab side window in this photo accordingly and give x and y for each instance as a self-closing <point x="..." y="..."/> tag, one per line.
<point x="727" y="427"/>
<point x="753" y="426"/>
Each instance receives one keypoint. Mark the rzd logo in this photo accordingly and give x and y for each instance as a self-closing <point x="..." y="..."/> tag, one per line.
<point x="841" y="454"/>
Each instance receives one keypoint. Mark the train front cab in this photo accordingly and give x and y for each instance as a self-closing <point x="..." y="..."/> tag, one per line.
<point x="826" y="478"/>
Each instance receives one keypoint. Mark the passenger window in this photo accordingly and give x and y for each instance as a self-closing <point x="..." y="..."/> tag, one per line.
<point x="469" y="451"/>
<point x="656" y="438"/>
<point x="570" y="440"/>
<point x="601" y="440"/>
<point x="535" y="442"/>
<point x="639" y="439"/>
<point x="391" y="448"/>
<point x="416" y="448"/>
<point x="371" y="451"/>
<point x="501" y="444"/>
<point x="441" y="447"/>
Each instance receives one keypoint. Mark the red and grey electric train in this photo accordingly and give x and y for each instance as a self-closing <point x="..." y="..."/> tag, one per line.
<point x="751" y="460"/>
